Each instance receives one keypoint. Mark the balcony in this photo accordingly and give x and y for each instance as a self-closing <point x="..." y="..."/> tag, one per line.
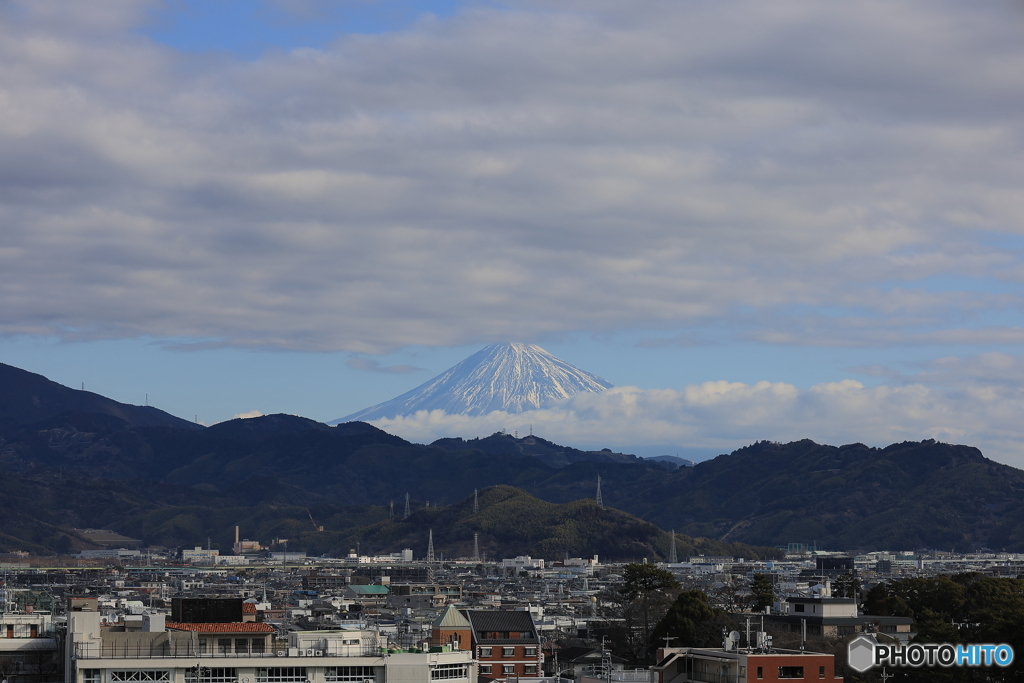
<point x="185" y="649"/>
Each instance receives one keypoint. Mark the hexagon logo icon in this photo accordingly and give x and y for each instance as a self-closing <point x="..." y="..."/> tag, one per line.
<point x="860" y="653"/>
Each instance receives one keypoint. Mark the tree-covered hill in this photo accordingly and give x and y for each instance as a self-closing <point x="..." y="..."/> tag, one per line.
<point x="852" y="497"/>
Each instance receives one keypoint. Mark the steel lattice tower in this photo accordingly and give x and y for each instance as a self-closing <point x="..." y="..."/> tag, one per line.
<point x="672" y="559"/>
<point x="430" y="547"/>
<point x="600" y="501"/>
<point x="476" y="503"/>
<point x="476" y="547"/>
<point x="407" y="513"/>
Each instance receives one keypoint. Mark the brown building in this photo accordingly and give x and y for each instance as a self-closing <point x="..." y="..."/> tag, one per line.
<point x="687" y="664"/>
<point x="505" y="642"/>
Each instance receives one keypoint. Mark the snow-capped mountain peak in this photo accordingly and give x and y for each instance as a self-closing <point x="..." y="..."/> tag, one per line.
<point x="511" y="377"/>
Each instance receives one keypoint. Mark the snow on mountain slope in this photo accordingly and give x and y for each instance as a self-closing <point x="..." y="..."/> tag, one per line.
<point x="509" y="377"/>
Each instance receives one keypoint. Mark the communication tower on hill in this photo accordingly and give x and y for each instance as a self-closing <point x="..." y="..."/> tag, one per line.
<point x="600" y="501"/>
<point x="407" y="513"/>
<point x="476" y="503"/>
<point x="430" y="547"/>
<point x="672" y="559"/>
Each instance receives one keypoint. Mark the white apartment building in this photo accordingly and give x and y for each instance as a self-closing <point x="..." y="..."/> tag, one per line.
<point x="247" y="653"/>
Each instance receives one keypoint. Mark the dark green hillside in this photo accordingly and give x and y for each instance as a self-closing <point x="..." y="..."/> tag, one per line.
<point x="512" y="522"/>
<point x="908" y="495"/>
<point x="548" y="452"/>
<point x="27" y="398"/>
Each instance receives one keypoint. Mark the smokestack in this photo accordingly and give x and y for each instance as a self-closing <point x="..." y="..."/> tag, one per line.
<point x="236" y="534"/>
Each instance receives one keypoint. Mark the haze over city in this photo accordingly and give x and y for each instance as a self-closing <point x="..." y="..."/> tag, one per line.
<point x="757" y="220"/>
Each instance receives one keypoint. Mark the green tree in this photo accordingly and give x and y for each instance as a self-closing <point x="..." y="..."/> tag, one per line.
<point x="644" y="597"/>
<point x="691" y="621"/>
<point x="763" y="591"/>
<point x="846" y="586"/>
<point x="639" y="579"/>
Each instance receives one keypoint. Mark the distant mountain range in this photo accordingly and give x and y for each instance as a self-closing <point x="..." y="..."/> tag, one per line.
<point x="509" y="377"/>
<point x="174" y="483"/>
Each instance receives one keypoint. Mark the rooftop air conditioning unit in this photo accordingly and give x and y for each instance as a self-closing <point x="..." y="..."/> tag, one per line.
<point x="319" y="653"/>
<point x="309" y="652"/>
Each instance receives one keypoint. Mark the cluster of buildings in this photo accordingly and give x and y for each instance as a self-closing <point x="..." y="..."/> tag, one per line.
<point x="391" y="619"/>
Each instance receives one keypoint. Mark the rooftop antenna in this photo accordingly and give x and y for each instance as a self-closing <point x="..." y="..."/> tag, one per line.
<point x="672" y="558"/>
<point x="430" y="547"/>
<point x="476" y="547"/>
<point x="407" y="513"/>
<point x="600" y="500"/>
<point x="476" y="502"/>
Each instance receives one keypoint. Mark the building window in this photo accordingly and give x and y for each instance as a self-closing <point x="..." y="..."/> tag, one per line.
<point x="281" y="674"/>
<point x="821" y="672"/>
<point x="508" y="652"/>
<point x="798" y="607"/>
<point x="91" y="675"/>
<point x="530" y="669"/>
<point x="224" y="646"/>
<point x="349" y="673"/>
<point x="485" y="652"/>
<point x="207" y="674"/>
<point x="258" y="646"/>
<point x="447" y="672"/>
<point x="202" y="646"/>
<point x="791" y="672"/>
<point x="242" y="646"/>
<point x="530" y="652"/>
<point x="140" y="675"/>
<point x="760" y="672"/>
<point x="508" y="668"/>
<point x="485" y="669"/>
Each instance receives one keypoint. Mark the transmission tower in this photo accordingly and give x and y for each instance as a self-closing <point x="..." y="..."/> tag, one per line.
<point x="600" y="501"/>
<point x="392" y="512"/>
<point x="407" y="513"/>
<point x="430" y="547"/>
<point x="672" y="559"/>
<point x="476" y="503"/>
<point x="476" y="547"/>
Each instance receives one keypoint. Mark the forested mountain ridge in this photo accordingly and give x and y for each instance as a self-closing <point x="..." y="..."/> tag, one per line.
<point x="852" y="497"/>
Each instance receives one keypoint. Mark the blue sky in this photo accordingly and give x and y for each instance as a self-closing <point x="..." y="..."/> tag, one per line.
<point x="247" y="28"/>
<point x="309" y="206"/>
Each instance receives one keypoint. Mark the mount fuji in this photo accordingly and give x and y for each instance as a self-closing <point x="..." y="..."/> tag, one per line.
<point x="511" y="377"/>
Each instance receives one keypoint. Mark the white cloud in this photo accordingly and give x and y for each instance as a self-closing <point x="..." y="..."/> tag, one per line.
<point x="727" y="415"/>
<point x="245" y="416"/>
<point x="512" y="174"/>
